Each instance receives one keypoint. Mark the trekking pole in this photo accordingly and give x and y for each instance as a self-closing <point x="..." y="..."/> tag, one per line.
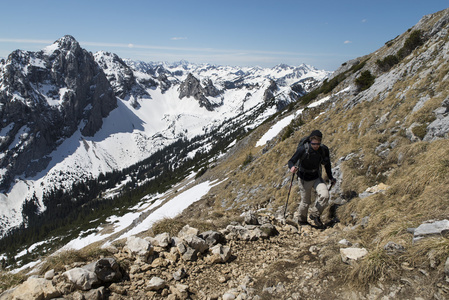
<point x="330" y="187"/>
<point x="288" y="196"/>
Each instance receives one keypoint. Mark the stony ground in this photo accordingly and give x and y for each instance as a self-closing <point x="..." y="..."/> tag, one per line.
<point x="295" y="264"/>
<point x="284" y="266"/>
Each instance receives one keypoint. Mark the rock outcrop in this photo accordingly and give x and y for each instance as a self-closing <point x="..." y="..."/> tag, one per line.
<point x="191" y="87"/>
<point x="45" y="97"/>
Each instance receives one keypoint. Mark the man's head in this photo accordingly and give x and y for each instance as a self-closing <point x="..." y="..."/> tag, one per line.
<point x="315" y="139"/>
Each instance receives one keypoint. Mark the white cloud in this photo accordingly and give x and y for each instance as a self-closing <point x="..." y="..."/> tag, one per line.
<point x="178" y="38"/>
<point x="27" y="41"/>
<point x="348" y="42"/>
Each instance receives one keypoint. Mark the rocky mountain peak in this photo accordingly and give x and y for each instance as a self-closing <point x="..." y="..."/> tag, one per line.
<point x="68" y="43"/>
<point x="49" y="95"/>
<point x="191" y="87"/>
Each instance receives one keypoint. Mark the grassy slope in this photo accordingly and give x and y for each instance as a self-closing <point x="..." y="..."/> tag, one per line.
<point x="416" y="171"/>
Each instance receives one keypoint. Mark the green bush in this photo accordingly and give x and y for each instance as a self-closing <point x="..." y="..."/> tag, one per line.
<point x="410" y="44"/>
<point x="288" y="132"/>
<point x="365" y="80"/>
<point x="387" y="63"/>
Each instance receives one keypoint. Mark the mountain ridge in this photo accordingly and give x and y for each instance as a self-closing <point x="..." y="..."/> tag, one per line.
<point x="143" y="112"/>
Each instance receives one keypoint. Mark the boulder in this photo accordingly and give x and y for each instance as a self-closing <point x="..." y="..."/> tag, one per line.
<point x="156" y="284"/>
<point x="268" y="230"/>
<point x="430" y="229"/>
<point x="96" y="294"/>
<point x="108" y="270"/>
<point x="196" y="243"/>
<point x="188" y="231"/>
<point x="348" y="255"/>
<point x="162" y="240"/>
<point x="239" y="232"/>
<point x="49" y="274"/>
<point x="213" y="238"/>
<point x="32" y="288"/>
<point x="138" y="247"/>
<point x="190" y="254"/>
<point x="250" y="218"/>
<point x="180" y="274"/>
<point x="392" y="248"/>
<point x="159" y="262"/>
<point x="180" y="290"/>
<point x="345" y="242"/>
<point x="82" y="278"/>
<point x="219" y="254"/>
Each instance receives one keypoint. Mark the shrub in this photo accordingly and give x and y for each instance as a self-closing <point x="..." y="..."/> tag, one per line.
<point x="365" y="80"/>
<point x="411" y="43"/>
<point x="387" y="63"/>
<point x="249" y="158"/>
<point x="376" y="265"/>
<point x="200" y="172"/>
<point x="288" y="132"/>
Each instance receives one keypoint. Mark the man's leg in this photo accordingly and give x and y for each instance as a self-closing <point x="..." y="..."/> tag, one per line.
<point x="305" y="188"/>
<point x="321" y="201"/>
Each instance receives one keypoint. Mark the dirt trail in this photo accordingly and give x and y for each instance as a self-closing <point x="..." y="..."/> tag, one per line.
<point x="281" y="267"/>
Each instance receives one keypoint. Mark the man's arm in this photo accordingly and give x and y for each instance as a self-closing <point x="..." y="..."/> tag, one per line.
<point x="327" y="163"/>
<point x="294" y="161"/>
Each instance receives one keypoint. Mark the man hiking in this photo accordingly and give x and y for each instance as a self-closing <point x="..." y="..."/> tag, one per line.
<point x="309" y="156"/>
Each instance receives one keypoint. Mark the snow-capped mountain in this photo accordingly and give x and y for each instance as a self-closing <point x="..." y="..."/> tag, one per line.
<point x="69" y="115"/>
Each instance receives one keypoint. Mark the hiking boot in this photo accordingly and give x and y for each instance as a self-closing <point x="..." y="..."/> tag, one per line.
<point x="303" y="223"/>
<point x="318" y="222"/>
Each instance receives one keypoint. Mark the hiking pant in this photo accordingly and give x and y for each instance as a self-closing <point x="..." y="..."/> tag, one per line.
<point x="306" y="195"/>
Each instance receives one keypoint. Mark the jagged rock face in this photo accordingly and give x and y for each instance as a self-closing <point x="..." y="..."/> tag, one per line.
<point x="192" y="87"/>
<point x="122" y="77"/>
<point x="269" y="92"/>
<point x="45" y="96"/>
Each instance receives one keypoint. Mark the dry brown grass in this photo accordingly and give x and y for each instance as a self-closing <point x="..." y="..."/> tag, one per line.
<point x="424" y="251"/>
<point x="168" y="225"/>
<point x="377" y="265"/>
<point x="8" y="280"/>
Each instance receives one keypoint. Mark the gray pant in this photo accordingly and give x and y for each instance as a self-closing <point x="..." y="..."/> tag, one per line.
<point x="306" y="195"/>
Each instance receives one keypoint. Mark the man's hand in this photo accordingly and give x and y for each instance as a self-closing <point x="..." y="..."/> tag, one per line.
<point x="294" y="169"/>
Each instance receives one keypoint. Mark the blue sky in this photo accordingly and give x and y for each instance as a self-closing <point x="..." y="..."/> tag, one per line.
<point x="323" y="34"/>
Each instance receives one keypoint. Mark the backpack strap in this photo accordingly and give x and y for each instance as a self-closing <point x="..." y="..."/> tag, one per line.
<point x="306" y="152"/>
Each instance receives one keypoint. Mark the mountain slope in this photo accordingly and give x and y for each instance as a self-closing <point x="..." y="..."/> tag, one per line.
<point x="69" y="116"/>
<point x="389" y="151"/>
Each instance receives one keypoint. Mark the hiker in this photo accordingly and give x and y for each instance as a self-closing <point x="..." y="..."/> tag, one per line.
<point x="309" y="156"/>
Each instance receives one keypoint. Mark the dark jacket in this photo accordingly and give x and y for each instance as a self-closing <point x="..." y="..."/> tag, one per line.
<point x="309" y="167"/>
